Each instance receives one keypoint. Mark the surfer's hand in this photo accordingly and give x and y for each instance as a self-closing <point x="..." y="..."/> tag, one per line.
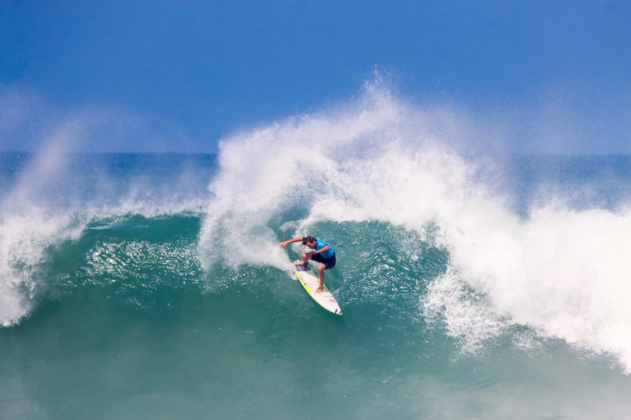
<point x="283" y="244"/>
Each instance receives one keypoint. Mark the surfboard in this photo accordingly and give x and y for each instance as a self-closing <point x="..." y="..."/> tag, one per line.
<point x="310" y="281"/>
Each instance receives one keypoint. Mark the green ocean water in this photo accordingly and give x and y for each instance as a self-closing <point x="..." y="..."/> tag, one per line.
<point x="127" y="324"/>
<point x="153" y="287"/>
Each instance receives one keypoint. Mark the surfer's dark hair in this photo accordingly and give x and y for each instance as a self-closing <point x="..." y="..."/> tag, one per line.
<point x="306" y="239"/>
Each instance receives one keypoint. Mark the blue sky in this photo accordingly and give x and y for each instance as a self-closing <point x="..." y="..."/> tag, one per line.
<point x="198" y="70"/>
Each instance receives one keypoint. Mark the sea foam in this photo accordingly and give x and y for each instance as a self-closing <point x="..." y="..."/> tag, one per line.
<point x="558" y="271"/>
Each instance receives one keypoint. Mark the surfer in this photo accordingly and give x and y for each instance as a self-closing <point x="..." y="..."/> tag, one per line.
<point x="322" y="252"/>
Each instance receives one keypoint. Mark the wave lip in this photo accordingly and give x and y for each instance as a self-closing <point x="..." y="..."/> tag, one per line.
<point x="24" y="239"/>
<point x="562" y="273"/>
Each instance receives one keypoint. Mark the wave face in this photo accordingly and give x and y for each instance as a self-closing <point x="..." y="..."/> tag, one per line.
<point x="152" y="286"/>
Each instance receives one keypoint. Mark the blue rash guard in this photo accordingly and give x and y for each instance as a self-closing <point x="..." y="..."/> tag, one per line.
<point x="321" y="244"/>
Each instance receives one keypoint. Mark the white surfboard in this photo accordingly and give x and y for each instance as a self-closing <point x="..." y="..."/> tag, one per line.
<point x="310" y="281"/>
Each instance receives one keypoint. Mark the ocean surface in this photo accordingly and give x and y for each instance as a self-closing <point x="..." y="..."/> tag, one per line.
<point x="152" y="286"/>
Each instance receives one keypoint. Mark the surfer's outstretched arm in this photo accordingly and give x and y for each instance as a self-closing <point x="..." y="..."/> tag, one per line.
<point x="285" y="243"/>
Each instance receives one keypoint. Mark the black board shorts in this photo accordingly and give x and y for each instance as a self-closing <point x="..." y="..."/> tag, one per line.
<point x="328" y="262"/>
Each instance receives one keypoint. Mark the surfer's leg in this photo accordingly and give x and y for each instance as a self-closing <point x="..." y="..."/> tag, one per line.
<point x="306" y="257"/>
<point x="321" y="269"/>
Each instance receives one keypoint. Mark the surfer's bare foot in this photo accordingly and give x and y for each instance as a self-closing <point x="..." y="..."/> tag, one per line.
<point x="319" y="289"/>
<point x="299" y="262"/>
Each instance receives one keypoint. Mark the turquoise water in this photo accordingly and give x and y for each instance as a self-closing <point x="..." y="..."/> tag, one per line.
<point x="127" y="324"/>
<point x="153" y="287"/>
